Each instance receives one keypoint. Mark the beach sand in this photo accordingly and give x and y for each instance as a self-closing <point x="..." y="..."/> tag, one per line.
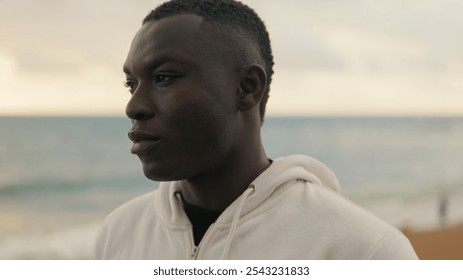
<point x="441" y="244"/>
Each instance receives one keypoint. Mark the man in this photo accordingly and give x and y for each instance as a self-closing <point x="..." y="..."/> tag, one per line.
<point x="199" y="73"/>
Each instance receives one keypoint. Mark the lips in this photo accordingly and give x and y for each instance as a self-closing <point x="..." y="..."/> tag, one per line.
<point x="142" y="142"/>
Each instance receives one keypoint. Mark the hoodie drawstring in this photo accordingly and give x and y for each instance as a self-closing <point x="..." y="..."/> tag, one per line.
<point x="250" y="190"/>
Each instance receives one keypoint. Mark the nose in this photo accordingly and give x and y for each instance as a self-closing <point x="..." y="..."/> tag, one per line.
<point x="140" y="105"/>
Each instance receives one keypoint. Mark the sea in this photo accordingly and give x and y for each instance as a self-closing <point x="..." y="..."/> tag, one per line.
<point x="60" y="176"/>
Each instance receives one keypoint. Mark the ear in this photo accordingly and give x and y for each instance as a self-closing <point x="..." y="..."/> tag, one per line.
<point x="252" y="86"/>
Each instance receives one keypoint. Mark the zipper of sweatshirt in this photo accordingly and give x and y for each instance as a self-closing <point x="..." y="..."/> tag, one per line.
<point x="195" y="249"/>
<point x="194" y="253"/>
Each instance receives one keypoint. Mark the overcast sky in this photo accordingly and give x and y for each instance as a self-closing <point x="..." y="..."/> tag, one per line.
<point x="333" y="57"/>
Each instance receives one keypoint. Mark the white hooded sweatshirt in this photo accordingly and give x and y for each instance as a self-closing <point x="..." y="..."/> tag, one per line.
<point x="290" y="211"/>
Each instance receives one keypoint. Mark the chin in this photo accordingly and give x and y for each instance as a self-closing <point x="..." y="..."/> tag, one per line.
<point x="156" y="176"/>
<point x="155" y="173"/>
<point x="171" y="170"/>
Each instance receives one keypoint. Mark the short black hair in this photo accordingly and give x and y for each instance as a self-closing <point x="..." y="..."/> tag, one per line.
<point x="229" y="13"/>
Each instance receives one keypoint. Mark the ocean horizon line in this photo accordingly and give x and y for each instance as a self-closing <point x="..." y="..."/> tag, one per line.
<point x="270" y="116"/>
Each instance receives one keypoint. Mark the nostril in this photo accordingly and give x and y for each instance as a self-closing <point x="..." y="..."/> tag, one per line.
<point x="139" y="116"/>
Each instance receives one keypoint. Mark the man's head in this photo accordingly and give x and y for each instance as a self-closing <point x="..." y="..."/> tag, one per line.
<point x="196" y="87"/>
<point x="242" y="28"/>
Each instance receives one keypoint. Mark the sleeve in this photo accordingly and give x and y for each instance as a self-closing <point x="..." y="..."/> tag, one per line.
<point x="393" y="246"/>
<point x="99" y="245"/>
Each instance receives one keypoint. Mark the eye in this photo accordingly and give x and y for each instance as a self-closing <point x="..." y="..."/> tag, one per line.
<point x="163" y="78"/>
<point x="131" y="85"/>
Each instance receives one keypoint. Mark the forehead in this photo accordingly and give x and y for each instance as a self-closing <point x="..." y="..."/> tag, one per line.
<point x="178" y="37"/>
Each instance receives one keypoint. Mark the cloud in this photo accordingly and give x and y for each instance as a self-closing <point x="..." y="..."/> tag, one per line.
<point x="55" y="36"/>
<point x="305" y="52"/>
<point x="65" y="57"/>
<point x="331" y="56"/>
<point x="305" y="33"/>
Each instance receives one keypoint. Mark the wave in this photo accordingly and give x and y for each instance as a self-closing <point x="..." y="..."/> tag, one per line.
<point x="74" y="243"/>
<point x="56" y="186"/>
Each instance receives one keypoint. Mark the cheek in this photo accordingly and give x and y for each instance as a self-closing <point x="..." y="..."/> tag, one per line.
<point x="198" y="130"/>
<point x="200" y="108"/>
<point x="203" y="127"/>
<point x="198" y="126"/>
<point x="200" y="113"/>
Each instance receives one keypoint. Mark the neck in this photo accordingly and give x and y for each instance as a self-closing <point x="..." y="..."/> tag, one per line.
<point x="217" y="189"/>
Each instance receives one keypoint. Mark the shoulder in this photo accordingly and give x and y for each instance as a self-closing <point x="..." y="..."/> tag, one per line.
<point x="122" y="223"/>
<point x="133" y="211"/>
<point x="343" y="224"/>
<point x="393" y="246"/>
<point x="134" y="206"/>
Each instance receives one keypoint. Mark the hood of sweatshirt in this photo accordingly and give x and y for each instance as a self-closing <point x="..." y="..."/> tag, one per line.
<point x="282" y="171"/>
<point x="276" y="178"/>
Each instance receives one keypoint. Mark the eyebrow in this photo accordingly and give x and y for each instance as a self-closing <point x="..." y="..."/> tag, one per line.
<point x="153" y="63"/>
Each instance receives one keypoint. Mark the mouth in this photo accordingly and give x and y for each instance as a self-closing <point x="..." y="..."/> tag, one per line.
<point x="142" y="142"/>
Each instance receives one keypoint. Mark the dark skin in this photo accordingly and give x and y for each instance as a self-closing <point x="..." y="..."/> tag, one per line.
<point x="195" y="111"/>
